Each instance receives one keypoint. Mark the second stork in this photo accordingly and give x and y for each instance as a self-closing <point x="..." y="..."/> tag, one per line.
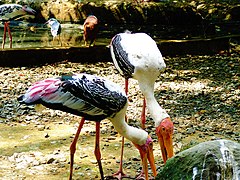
<point x="136" y="55"/>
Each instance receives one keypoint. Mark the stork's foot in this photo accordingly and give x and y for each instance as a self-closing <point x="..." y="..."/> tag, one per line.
<point x="120" y="175"/>
<point x="142" y="176"/>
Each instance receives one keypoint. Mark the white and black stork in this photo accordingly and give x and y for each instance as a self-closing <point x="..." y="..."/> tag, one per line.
<point x="136" y="55"/>
<point x="10" y="12"/>
<point x="55" y="27"/>
<point x="95" y="99"/>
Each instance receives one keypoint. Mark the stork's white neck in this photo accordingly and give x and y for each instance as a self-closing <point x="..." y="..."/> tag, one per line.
<point x="155" y="110"/>
<point x="135" y="135"/>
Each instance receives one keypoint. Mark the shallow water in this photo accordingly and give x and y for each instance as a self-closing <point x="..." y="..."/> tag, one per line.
<point x="38" y="36"/>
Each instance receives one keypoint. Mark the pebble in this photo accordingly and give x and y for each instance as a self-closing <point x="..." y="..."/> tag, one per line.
<point x="190" y="130"/>
<point x="46" y="135"/>
<point x="200" y="105"/>
<point x="50" y="160"/>
<point x="41" y="127"/>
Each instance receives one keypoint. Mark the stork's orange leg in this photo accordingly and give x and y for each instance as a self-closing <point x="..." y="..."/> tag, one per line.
<point x="10" y="35"/>
<point x="126" y="86"/>
<point x="143" y="115"/>
<point x="4" y="34"/>
<point x="120" y="174"/>
<point x="73" y="147"/>
<point x="97" y="150"/>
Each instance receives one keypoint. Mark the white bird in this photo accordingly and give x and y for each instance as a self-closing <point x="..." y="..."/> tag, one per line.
<point x="136" y="55"/>
<point x="55" y="27"/>
<point x="94" y="99"/>
<point x="10" y="12"/>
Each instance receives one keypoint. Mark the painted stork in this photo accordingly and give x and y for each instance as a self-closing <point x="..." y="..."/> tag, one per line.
<point x="94" y="99"/>
<point x="10" y="12"/>
<point x="90" y="30"/>
<point x="55" y="27"/>
<point x="136" y="55"/>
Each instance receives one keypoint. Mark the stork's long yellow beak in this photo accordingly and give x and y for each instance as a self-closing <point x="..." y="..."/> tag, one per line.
<point x="164" y="133"/>
<point x="166" y="147"/>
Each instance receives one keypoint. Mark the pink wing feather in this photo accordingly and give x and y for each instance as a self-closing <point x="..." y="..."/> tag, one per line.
<point x="41" y="88"/>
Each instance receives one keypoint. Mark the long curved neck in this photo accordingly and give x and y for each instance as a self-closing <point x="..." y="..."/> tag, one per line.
<point x="135" y="135"/>
<point x="155" y="110"/>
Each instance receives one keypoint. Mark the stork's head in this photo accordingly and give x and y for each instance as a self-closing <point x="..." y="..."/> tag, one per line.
<point x="51" y="21"/>
<point x="146" y="153"/>
<point x="28" y="10"/>
<point x="164" y="132"/>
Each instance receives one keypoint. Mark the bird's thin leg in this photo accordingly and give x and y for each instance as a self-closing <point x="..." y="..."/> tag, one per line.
<point x="59" y="40"/>
<point x="91" y="43"/>
<point x="143" y="115"/>
<point x="86" y="44"/>
<point x="85" y="40"/>
<point x="53" y="41"/>
<point x="73" y="147"/>
<point x="97" y="150"/>
<point x="143" y="118"/>
<point x="126" y="86"/>
<point x="4" y="34"/>
<point x="120" y="174"/>
<point x="10" y="35"/>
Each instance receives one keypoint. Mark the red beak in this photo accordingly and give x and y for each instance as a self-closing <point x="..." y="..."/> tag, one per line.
<point x="164" y="132"/>
<point x="146" y="152"/>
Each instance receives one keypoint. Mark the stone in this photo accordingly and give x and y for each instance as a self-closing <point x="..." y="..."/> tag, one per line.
<point x="41" y="127"/>
<point x="219" y="159"/>
<point x="50" y="160"/>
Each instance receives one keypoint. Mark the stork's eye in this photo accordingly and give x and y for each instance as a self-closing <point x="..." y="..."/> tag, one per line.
<point x="151" y="145"/>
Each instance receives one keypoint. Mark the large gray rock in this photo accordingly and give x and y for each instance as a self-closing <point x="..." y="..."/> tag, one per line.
<point x="212" y="160"/>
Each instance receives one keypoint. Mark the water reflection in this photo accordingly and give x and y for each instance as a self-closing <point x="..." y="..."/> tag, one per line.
<point x="27" y="35"/>
<point x="33" y="35"/>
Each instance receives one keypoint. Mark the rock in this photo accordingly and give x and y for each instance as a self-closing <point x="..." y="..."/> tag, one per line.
<point x="41" y="127"/>
<point x="25" y="137"/>
<point x="46" y="135"/>
<point x="93" y="161"/>
<point x="136" y="159"/>
<point x="50" y="160"/>
<point x="35" y="163"/>
<point x="190" y="130"/>
<point x="219" y="159"/>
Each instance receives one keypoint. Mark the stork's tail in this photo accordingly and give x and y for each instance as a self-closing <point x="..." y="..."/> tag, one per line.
<point x="22" y="100"/>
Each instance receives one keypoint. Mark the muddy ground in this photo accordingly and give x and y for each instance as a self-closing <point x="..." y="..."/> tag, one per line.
<point x="201" y="94"/>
